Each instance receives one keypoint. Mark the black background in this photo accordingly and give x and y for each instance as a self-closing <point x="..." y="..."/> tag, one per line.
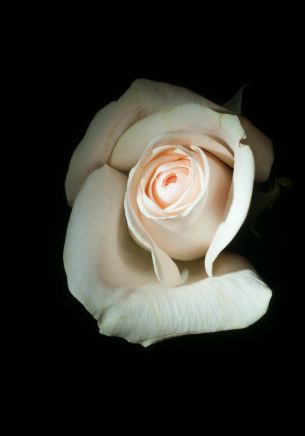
<point x="66" y="65"/>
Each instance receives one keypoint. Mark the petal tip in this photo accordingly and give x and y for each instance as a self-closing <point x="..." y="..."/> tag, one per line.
<point x="208" y="265"/>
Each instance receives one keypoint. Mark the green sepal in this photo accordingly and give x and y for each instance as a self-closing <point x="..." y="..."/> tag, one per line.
<point x="235" y="103"/>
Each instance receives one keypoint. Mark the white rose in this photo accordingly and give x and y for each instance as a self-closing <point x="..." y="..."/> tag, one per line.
<point x="167" y="170"/>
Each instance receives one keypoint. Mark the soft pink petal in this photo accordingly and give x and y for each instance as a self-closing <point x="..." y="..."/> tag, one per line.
<point x="188" y="237"/>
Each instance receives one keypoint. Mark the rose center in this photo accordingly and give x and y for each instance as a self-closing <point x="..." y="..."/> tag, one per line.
<point x="172" y="178"/>
<point x="170" y="184"/>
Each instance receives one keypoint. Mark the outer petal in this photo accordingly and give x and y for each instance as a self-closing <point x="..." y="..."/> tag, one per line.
<point x="94" y="149"/>
<point x="262" y="150"/>
<point x="143" y="98"/>
<point x="114" y="278"/>
<point x="188" y="117"/>
<point x="99" y="206"/>
<point x="238" y="204"/>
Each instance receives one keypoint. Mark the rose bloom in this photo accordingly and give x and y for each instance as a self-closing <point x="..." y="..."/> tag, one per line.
<point x="160" y="185"/>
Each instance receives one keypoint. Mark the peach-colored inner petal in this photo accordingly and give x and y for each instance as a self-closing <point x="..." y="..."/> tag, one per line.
<point x="176" y="197"/>
<point x="169" y="182"/>
<point x="172" y="179"/>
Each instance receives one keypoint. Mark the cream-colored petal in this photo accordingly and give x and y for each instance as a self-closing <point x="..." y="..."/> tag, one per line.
<point x="260" y="144"/>
<point x="114" y="278"/>
<point x="262" y="150"/>
<point x="221" y="150"/>
<point x="99" y="254"/>
<point x="233" y="299"/>
<point x="97" y="231"/>
<point x="237" y="206"/>
<point x="192" y="117"/>
<point x="143" y="98"/>
<point x="94" y="149"/>
<point x="165" y="268"/>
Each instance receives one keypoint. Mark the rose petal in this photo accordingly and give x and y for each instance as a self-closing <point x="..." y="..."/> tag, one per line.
<point x="262" y="150"/>
<point x="238" y="204"/>
<point x="114" y="279"/>
<point x="143" y="98"/>
<point x="188" y="238"/>
<point x="188" y="117"/>
<point x="166" y="270"/>
<point x="95" y="249"/>
<point x="94" y="149"/>
<point x="231" y="301"/>
<point x="107" y="219"/>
